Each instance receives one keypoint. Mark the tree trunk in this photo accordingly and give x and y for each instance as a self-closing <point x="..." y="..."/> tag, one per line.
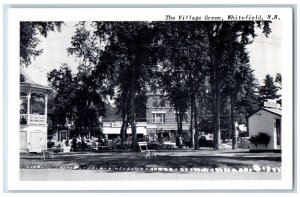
<point x="177" y="120"/>
<point x="132" y="111"/>
<point x="123" y="134"/>
<point x="180" y="122"/>
<point x="217" y="132"/>
<point x="247" y="124"/>
<point x="201" y="115"/>
<point x="191" y="123"/>
<point x="124" y="120"/>
<point x="232" y="125"/>
<point x="132" y="95"/>
<point x="196" y="137"/>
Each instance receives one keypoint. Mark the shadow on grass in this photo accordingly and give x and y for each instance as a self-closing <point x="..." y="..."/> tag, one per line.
<point x="137" y="160"/>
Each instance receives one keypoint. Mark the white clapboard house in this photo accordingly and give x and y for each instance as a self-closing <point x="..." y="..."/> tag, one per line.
<point x="266" y="120"/>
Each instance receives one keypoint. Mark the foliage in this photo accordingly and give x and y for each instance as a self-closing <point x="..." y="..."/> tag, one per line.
<point x="76" y="99"/>
<point x="64" y="84"/>
<point x="226" y="51"/>
<point x="29" y="38"/>
<point x="279" y="86"/>
<point x="278" y="80"/>
<point x="37" y="104"/>
<point x="199" y="66"/>
<point x="268" y="90"/>
<point x="120" y="60"/>
<point x="261" y="138"/>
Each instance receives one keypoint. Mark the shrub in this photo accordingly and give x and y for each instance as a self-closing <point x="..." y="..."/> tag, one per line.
<point x="23" y="120"/>
<point x="261" y="138"/>
<point x="50" y="144"/>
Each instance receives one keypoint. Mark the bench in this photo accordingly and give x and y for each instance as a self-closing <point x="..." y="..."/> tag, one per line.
<point x="144" y="149"/>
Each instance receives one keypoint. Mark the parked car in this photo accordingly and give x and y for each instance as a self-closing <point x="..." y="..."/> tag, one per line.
<point x="206" y="141"/>
<point x="243" y="142"/>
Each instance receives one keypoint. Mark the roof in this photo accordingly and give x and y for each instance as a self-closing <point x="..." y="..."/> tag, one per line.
<point x="271" y="110"/>
<point x="27" y="81"/>
<point x="274" y="111"/>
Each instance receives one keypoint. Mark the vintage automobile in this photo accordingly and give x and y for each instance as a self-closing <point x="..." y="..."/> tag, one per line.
<point x="206" y="141"/>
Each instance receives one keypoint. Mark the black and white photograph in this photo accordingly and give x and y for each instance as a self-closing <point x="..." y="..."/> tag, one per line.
<point x="187" y="97"/>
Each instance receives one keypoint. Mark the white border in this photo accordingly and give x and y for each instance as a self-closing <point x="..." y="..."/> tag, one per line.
<point x="123" y="14"/>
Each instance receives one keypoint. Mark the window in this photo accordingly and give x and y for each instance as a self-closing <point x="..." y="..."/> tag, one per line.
<point x="158" y="103"/>
<point x="158" y="118"/>
<point x="155" y="104"/>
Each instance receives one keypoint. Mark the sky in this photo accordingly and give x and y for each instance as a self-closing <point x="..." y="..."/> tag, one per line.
<point x="265" y="53"/>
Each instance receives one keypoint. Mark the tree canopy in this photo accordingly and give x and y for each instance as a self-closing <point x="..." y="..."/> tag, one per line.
<point x="196" y="65"/>
<point x="269" y="89"/>
<point x="30" y="33"/>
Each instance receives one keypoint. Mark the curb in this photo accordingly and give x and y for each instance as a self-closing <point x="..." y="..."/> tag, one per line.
<point x="254" y="168"/>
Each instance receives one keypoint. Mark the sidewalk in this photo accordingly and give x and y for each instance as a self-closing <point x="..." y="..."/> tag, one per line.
<point x="100" y="175"/>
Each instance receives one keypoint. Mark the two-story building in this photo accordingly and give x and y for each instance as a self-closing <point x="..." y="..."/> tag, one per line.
<point x="161" y="118"/>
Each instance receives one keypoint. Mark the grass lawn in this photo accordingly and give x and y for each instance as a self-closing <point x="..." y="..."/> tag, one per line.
<point x="172" y="159"/>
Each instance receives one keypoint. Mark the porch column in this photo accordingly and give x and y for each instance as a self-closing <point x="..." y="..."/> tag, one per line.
<point x="46" y="108"/>
<point x="28" y="106"/>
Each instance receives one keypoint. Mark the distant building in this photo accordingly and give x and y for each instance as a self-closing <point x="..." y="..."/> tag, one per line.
<point x="112" y="123"/>
<point x="161" y="118"/>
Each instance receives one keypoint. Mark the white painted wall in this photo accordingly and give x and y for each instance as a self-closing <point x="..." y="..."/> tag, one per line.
<point x="263" y="121"/>
<point x="36" y="138"/>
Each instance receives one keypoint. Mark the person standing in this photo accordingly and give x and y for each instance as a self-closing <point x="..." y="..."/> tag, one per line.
<point x="180" y="142"/>
<point x="83" y="143"/>
<point x="177" y="140"/>
<point x="74" y="144"/>
<point x="187" y="140"/>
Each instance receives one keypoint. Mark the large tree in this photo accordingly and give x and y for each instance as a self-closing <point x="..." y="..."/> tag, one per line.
<point x="76" y="98"/>
<point x="116" y="53"/>
<point x="181" y="53"/>
<point x="221" y="36"/>
<point x="64" y="85"/>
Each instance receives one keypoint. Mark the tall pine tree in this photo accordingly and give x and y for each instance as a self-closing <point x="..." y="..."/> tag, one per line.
<point x="268" y="90"/>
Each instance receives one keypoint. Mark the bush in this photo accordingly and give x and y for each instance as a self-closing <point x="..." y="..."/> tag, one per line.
<point x="50" y="144"/>
<point x="261" y="138"/>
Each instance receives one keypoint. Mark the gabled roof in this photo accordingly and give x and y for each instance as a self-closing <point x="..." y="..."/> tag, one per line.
<point x="28" y="81"/>
<point x="270" y="110"/>
<point x="274" y="111"/>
